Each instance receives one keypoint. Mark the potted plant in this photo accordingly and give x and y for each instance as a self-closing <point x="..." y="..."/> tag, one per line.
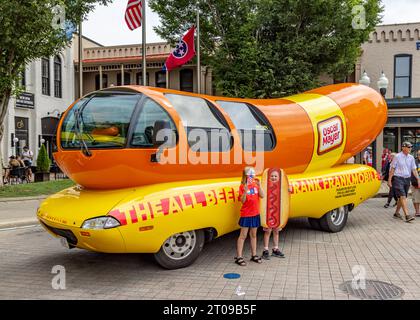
<point x="42" y="166"/>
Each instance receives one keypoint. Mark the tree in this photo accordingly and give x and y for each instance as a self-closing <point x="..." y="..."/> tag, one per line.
<point x="29" y="31"/>
<point x="273" y="48"/>
<point x="43" y="162"/>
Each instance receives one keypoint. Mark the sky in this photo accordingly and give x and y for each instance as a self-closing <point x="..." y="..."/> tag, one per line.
<point x="106" y="25"/>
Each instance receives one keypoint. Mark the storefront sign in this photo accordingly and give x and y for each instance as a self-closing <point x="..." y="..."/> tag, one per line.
<point x="418" y="45"/>
<point x="26" y="100"/>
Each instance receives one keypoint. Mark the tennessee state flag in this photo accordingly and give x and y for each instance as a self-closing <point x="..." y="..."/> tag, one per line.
<point x="184" y="51"/>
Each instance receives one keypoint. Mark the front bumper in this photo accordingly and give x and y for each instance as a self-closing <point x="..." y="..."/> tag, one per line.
<point x="107" y="240"/>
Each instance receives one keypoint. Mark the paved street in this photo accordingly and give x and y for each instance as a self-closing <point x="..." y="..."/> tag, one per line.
<point x="316" y="264"/>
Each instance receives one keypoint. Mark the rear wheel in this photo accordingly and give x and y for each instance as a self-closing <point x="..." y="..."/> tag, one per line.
<point x="334" y="220"/>
<point x="180" y="250"/>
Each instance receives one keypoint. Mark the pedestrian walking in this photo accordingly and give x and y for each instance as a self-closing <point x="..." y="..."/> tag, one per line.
<point x="367" y="157"/>
<point x="250" y="193"/>
<point x="402" y="167"/>
<point x="415" y="191"/>
<point x="385" y="174"/>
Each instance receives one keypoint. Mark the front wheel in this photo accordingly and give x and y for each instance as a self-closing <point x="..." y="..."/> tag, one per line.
<point x="334" y="220"/>
<point x="180" y="250"/>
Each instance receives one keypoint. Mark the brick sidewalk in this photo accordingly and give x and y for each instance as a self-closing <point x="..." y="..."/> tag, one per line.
<point x="316" y="264"/>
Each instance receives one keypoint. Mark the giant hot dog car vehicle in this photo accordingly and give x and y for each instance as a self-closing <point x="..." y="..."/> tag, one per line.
<point x="158" y="171"/>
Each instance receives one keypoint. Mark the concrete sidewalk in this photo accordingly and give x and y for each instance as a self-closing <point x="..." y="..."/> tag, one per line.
<point x="16" y="212"/>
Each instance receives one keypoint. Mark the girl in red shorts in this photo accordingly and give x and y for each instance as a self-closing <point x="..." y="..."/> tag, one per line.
<point x="249" y="194"/>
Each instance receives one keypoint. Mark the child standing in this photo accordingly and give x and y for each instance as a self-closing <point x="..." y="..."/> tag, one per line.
<point x="274" y="177"/>
<point x="249" y="194"/>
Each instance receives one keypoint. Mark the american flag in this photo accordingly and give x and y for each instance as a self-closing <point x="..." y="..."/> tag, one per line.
<point x="133" y="14"/>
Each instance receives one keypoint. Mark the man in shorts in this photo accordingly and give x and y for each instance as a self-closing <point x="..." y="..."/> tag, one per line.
<point x="402" y="167"/>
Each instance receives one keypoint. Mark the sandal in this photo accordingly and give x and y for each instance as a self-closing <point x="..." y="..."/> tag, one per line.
<point x="240" y="261"/>
<point x="256" y="259"/>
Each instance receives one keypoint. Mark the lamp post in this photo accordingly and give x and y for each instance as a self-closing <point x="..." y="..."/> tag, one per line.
<point x="383" y="84"/>
<point x="365" y="80"/>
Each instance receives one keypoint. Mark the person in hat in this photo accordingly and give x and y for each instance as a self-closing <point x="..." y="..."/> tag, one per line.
<point x="402" y="167"/>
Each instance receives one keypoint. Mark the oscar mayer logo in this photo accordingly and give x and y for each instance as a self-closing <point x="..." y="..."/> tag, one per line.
<point x="330" y="134"/>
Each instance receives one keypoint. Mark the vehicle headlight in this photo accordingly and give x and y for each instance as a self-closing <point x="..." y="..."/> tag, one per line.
<point x="101" y="223"/>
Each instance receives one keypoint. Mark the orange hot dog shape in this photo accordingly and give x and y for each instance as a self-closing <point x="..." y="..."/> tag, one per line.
<point x="275" y="207"/>
<point x="120" y="126"/>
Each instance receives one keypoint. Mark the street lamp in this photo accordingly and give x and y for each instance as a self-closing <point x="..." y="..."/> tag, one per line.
<point x="383" y="84"/>
<point x="365" y="80"/>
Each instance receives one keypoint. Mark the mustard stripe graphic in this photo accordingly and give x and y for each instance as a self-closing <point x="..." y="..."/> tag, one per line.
<point x="329" y="127"/>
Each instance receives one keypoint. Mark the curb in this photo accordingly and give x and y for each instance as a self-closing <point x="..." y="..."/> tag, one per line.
<point x="18" y="223"/>
<point x="24" y="198"/>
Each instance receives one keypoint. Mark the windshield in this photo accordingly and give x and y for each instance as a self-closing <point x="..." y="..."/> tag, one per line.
<point x="103" y="121"/>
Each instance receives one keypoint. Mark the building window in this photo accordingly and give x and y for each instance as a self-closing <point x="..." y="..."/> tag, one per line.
<point x="253" y="127"/>
<point x="45" y="66"/>
<point x="139" y="78"/>
<point x="127" y="79"/>
<point x="23" y="79"/>
<point x="412" y="135"/>
<point x="161" y="79"/>
<point x="58" y="84"/>
<point x="390" y="139"/>
<point x="104" y="81"/>
<point x="402" y="75"/>
<point x="186" y="80"/>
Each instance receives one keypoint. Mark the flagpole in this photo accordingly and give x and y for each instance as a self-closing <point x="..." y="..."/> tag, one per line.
<point x="80" y="60"/>
<point x="144" y="42"/>
<point x="198" y="52"/>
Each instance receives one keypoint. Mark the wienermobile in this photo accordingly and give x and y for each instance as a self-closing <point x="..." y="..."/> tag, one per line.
<point x="158" y="170"/>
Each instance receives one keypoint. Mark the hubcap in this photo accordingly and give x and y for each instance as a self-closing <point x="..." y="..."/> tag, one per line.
<point x="337" y="216"/>
<point x="180" y="245"/>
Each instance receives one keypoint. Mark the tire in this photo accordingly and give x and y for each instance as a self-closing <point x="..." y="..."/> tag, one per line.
<point x="315" y="223"/>
<point x="180" y="250"/>
<point x="334" y="220"/>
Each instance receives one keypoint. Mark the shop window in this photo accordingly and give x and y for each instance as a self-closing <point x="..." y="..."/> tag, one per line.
<point x="139" y="78"/>
<point x="161" y="79"/>
<point x="402" y="76"/>
<point x="206" y="128"/>
<point x="254" y="129"/>
<point x="127" y="79"/>
<point x="186" y="80"/>
<point x="390" y="139"/>
<point x="151" y="119"/>
<point x="412" y="135"/>
<point x="45" y="70"/>
<point x="104" y="81"/>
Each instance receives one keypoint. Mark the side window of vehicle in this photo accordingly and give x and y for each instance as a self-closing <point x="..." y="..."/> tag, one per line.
<point x="254" y="129"/>
<point x="205" y="126"/>
<point x="153" y="127"/>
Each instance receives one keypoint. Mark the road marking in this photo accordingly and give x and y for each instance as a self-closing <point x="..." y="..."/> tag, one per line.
<point x="17" y="228"/>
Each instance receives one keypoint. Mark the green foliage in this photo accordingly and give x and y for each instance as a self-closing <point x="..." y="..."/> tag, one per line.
<point x="28" y="32"/>
<point x="271" y="48"/>
<point x="43" y="162"/>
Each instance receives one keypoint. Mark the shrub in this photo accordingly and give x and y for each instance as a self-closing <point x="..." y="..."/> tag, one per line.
<point x="43" y="162"/>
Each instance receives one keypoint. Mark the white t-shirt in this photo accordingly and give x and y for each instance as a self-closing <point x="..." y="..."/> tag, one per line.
<point x="27" y="155"/>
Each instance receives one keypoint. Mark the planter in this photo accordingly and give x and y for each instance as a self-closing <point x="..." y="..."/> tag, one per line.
<point x="42" y="176"/>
